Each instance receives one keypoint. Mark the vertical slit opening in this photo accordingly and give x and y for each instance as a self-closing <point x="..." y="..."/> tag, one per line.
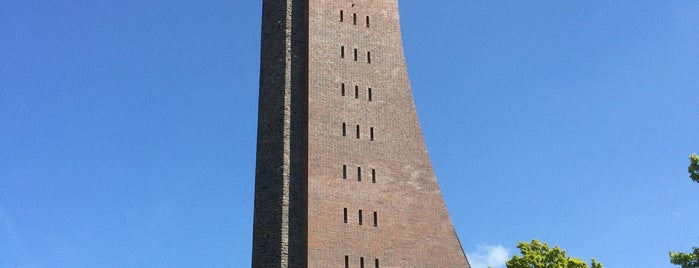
<point x="357" y="131"/>
<point x="343" y="89"/>
<point x="361" y="262"/>
<point x="373" y="175"/>
<point x="345" y="216"/>
<point x="354" y="18"/>
<point x="356" y="92"/>
<point x="346" y="261"/>
<point x="359" y="173"/>
<point x="369" y="94"/>
<point x="367" y="21"/>
<point x="371" y="133"/>
<point x="344" y="129"/>
<point x="360" y="217"/>
<point x="342" y="52"/>
<point x="376" y="263"/>
<point x="368" y="56"/>
<point x="355" y="54"/>
<point x="344" y="172"/>
<point x="342" y="13"/>
<point x="376" y="221"/>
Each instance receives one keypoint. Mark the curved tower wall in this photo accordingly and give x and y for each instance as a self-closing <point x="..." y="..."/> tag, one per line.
<point x="343" y="177"/>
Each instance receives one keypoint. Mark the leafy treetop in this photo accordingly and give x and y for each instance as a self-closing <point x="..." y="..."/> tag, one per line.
<point x="686" y="260"/>
<point x="540" y="255"/>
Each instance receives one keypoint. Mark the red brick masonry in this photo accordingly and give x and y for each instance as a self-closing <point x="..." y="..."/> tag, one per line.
<point x="343" y="178"/>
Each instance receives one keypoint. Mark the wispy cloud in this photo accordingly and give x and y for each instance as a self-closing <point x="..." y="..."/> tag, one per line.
<point x="9" y="231"/>
<point x="677" y="215"/>
<point x="12" y="250"/>
<point x="493" y="256"/>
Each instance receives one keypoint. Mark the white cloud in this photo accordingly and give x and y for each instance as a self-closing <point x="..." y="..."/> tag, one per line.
<point x="493" y="256"/>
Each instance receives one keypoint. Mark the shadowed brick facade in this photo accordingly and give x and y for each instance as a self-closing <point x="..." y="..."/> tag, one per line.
<point x="343" y="178"/>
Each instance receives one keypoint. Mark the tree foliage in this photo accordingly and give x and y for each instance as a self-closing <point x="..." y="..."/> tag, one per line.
<point x="540" y="255"/>
<point x="694" y="167"/>
<point x="686" y="260"/>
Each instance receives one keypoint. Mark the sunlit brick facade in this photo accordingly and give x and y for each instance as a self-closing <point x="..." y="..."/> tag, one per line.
<point x="343" y="178"/>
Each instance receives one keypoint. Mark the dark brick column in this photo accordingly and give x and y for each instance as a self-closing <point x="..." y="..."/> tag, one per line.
<point x="279" y="228"/>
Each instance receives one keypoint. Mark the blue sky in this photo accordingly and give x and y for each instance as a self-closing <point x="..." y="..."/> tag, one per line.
<point x="127" y="128"/>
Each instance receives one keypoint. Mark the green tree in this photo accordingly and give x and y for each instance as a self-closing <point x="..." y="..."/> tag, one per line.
<point x="694" y="167"/>
<point x="540" y="255"/>
<point x="686" y="260"/>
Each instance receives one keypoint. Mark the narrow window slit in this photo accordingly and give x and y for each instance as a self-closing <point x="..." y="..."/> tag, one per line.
<point x="367" y="21"/>
<point x="343" y="89"/>
<point x="369" y="94"/>
<point x="376" y="263"/>
<point x="371" y="133"/>
<point x="368" y="56"/>
<point x="376" y="221"/>
<point x="342" y="52"/>
<point x="346" y="261"/>
<point x="359" y="173"/>
<point x="355" y="54"/>
<point x="373" y="175"/>
<point x="354" y="18"/>
<point x="342" y="15"/>
<point x="360" y="217"/>
<point x="361" y="262"/>
<point x="357" y="131"/>
<point x="344" y="172"/>
<point x="345" y="215"/>
<point x="356" y="92"/>
<point x="344" y="129"/>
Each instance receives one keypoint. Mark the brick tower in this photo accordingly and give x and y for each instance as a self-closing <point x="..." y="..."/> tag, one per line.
<point x="343" y="178"/>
